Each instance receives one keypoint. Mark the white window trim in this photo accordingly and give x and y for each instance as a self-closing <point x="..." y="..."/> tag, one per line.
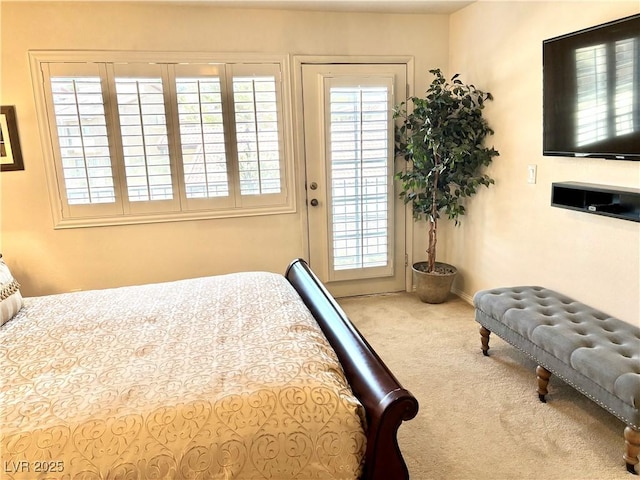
<point x="39" y="57"/>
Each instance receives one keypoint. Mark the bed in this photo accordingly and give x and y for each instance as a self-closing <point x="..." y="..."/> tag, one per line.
<point x="246" y="375"/>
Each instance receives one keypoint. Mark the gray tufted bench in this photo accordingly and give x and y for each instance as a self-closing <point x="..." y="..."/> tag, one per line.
<point x="597" y="354"/>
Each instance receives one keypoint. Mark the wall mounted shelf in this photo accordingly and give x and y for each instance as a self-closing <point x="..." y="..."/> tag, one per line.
<point x="606" y="200"/>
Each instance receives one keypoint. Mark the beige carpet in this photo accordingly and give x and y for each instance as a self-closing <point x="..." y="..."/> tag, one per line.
<point x="480" y="417"/>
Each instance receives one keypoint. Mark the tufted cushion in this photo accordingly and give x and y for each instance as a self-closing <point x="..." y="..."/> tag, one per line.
<point x="598" y="354"/>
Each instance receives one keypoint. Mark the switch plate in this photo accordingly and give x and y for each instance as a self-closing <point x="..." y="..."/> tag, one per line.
<point x="532" y="173"/>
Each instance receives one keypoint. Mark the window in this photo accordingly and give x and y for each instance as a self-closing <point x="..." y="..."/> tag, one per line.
<point x="134" y="139"/>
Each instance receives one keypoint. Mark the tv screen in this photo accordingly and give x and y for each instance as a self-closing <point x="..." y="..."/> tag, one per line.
<point x="591" y="92"/>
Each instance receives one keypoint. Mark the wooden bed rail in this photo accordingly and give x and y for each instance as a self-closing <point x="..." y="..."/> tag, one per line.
<point x="386" y="402"/>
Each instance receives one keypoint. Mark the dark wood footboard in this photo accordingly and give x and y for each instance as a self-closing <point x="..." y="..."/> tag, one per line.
<point x="386" y="403"/>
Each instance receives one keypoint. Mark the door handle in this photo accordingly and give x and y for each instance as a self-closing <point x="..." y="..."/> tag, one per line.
<point x="314" y="202"/>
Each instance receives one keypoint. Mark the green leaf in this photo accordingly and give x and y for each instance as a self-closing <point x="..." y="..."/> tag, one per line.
<point x="441" y="136"/>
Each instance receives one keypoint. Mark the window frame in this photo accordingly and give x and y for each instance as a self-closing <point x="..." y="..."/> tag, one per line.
<point x="238" y="206"/>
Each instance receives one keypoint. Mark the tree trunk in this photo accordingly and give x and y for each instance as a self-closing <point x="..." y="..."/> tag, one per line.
<point x="431" y="250"/>
<point x="433" y="220"/>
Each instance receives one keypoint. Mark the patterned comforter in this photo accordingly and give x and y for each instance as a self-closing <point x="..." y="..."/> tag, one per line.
<point x="215" y="378"/>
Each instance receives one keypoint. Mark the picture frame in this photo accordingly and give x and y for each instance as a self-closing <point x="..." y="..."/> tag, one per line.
<point x="10" y="151"/>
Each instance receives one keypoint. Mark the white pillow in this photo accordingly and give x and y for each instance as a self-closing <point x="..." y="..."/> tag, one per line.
<point x="10" y="297"/>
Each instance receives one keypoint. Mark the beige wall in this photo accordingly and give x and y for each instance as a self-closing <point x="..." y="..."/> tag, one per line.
<point x="47" y="260"/>
<point x="512" y="236"/>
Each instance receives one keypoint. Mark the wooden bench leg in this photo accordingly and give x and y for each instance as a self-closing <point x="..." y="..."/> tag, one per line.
<point x="484" y="338"/>
<point x="632" y="444"/>
<point x="543" y="376"/>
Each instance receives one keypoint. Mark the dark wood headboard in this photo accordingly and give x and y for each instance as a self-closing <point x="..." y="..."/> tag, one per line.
<point x="386" y="402"/>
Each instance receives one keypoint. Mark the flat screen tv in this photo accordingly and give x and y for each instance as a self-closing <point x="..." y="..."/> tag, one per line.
<point x="591" y="92"/>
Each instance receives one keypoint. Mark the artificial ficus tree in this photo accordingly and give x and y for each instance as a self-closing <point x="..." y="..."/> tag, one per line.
<point x="441" y="136"/>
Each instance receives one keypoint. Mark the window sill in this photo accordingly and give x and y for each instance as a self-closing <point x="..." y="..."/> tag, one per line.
<point x="91" y="222"/>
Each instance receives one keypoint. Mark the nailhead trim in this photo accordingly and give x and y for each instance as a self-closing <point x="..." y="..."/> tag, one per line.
<point x="595" y="400"/>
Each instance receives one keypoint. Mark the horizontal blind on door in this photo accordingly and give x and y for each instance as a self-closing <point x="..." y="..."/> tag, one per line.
<point x="359" y="150"/>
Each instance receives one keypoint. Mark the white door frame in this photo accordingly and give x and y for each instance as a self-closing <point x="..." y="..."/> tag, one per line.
<point x="298" y="137"/>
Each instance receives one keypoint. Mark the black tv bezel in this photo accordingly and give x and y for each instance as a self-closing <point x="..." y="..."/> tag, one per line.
<point x="580" y="36"/>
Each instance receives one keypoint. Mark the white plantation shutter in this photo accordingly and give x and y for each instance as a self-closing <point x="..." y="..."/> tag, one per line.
<point x="152" y="138"/>
<point x="145" y="144"/>
<point x="82" y="135"/>
<point x="202" y="137"/>
<point x="231" y="134"/>
<point x="256" y="120"/>
<point x="82" y="147"/>
<point x="259" y="132"/>
<point x="359" y="147"/>
<point x="200" y="99"/>
<point x="141" y="101"/>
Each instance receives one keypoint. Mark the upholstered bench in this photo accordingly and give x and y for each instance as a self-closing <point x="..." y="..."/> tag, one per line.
<point x="595" y="353"/>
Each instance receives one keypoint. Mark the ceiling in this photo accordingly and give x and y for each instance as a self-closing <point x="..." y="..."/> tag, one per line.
<point x="386" y="6"/>
<point x="379" y="6"/>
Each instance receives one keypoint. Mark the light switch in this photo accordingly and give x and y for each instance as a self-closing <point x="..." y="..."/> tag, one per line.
<point x="532" y="173"/>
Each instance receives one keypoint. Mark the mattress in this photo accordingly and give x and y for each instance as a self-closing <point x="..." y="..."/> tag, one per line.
<point x="215" y="378"/>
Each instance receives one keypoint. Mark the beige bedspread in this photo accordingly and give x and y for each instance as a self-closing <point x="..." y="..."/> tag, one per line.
<point x="213" y="378"/>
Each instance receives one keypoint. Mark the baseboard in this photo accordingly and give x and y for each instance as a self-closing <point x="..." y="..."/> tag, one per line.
<point x="464" y="296"/>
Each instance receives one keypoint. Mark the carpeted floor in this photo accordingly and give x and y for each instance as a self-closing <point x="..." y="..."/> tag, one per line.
<point x="480" y="417"/>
